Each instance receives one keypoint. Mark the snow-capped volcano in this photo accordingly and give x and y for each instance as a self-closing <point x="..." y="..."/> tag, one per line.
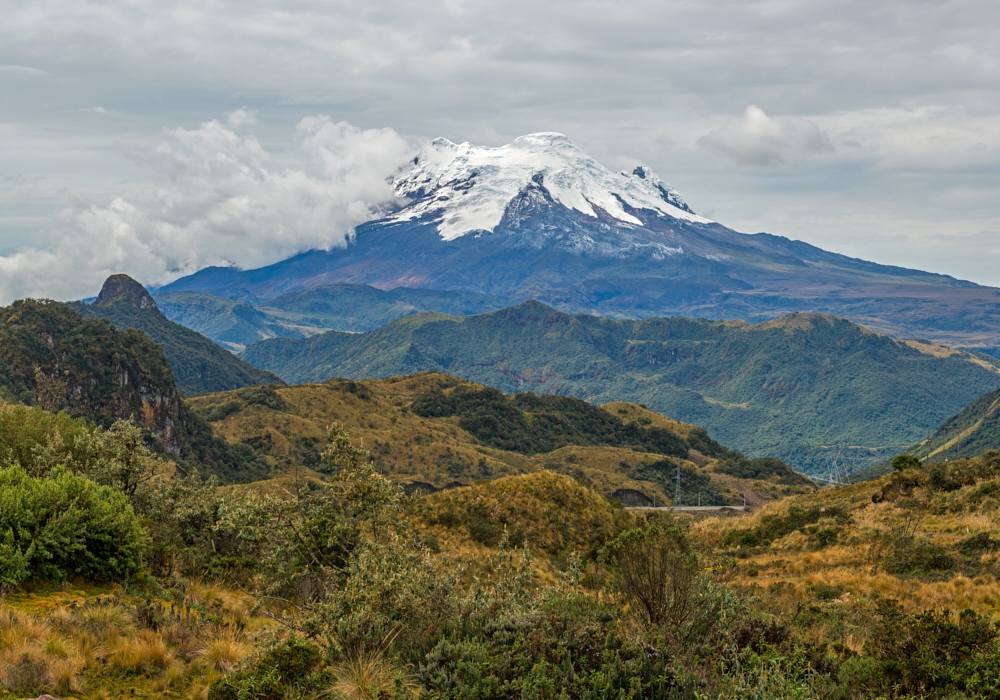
<point x="468" y="188"/>
<point x="540" y="219"/>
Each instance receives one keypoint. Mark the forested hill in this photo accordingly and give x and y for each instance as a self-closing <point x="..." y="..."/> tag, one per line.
<point x="198" y="364"/>
<point x="53" y="357"/>
<point x="431" y="432"/>
<point x="972" y="431"/>
<point x="803" y="387"/>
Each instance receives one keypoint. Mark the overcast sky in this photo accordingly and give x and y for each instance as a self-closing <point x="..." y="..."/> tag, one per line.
<point x="155" y="138"/>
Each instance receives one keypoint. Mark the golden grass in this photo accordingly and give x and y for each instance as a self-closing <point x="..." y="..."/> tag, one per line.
<point x="418" y="451"/>
<point x="146" y="653"/>
<point x="369" y="675"/>
<point x="792" y="570"/>
<point x="94" y="645"/>
<point x="225" y="651"/>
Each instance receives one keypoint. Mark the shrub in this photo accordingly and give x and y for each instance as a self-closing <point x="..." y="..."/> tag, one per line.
<point x="904" y="462"/>
<point x="934" y="655"/>
<point x="220" y="411"/>
<point x="532" y="424"/>
<point x="773" y="527"/>
<point x="570" y="648"/>
<point x="264" y="396"/>
<point x="276" y="672"/>
<point x="761" y="468"/>
<point x="63" y="524"/>
<point x="658" y="572"/>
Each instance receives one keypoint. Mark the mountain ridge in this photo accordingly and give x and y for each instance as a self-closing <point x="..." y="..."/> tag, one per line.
<point x="795" y="390"/>
<point x="541" y="227"/>
<point x="198" y="364"/>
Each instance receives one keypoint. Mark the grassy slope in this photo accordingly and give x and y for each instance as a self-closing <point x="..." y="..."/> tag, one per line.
<point x="969" y="433"/>
<point x="199" y="365"/>
<point x="846" y="577"/>
<point x="800" y="387"/>
<point x="972" y="431"/>
<point x="433" y="453"/>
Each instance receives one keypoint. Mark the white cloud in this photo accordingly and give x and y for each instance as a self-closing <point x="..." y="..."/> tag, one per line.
<point x="757" y="139"/>
<point x="23" y="70"/>
<point x="906" y="92"/>
<point x="217" y="201"/>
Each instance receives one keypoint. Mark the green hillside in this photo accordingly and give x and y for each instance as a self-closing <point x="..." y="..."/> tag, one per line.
<point x="198" y="364"/>
<point x="974" y="430"/>
<point x="232" y="324"/>
<point x="431" y="432"/>
<point x="803" y="387"/>
<point x="343" y="307"/>
<point x="54" y="358"/>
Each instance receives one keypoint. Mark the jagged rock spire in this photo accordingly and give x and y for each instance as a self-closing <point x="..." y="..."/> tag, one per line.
<point x="119" y="289"/>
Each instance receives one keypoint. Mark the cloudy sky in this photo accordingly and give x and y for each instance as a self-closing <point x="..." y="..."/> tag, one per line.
<point x="156" y="138"/>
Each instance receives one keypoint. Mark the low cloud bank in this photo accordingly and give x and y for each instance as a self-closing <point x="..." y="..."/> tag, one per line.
<point x="216" y="201"/>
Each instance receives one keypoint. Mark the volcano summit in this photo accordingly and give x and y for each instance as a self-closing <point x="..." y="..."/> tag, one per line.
<point x="540" y="219"/>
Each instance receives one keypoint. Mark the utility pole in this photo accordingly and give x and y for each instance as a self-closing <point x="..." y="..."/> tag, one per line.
<point x="677" y="494"/>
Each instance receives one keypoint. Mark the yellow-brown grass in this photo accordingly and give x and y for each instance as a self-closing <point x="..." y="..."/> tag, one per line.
<point x="428" y="453"/>
<point x="225" y="650"/>
<point x="91" y="642"/>
<point x="795" y="568"/>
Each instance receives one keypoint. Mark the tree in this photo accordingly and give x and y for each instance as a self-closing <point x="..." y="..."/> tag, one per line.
<point x="903" y="462"/>
<point x="657" y="571"/>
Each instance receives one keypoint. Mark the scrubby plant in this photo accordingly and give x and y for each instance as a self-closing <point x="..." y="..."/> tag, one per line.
<point x="60" y="525"/>
<point x="658" y="572"/>
<point x="904" y="462"/>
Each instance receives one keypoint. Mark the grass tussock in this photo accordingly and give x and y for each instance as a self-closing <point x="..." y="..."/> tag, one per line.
<point x="89" y="642"/>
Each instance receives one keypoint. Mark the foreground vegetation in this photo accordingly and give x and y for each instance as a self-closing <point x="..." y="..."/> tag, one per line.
<point x="332" y="582"/>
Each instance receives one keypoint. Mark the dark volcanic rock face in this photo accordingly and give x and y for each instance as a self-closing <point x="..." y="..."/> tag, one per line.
<point x="123" y="289"/>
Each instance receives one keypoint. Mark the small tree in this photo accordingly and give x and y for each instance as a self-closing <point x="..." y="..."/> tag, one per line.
<point x="658" y="573"/>
<point x="904" y="462"/>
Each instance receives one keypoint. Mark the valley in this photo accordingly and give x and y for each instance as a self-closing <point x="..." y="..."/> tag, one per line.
<point x="809" y="389"/>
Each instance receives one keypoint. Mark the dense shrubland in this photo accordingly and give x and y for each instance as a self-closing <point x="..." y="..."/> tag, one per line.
<point x="531" y="424"/>
<point x="123" y="577"/>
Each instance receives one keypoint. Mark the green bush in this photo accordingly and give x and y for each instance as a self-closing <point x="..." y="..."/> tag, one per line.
<point x="279" y="672"/>
<point x="761" y="468"/>
<point x="37" y="439"/>
<point x="219" y="411"/>
<point x="532" y="424"/>
<point x="773" y="527"/>
<point x="934" y="655"/>
<point x="264" y="396"/>
<point x="51" y="527"/>
<point x="904" y="462"/>
<point x="571" y="648"/>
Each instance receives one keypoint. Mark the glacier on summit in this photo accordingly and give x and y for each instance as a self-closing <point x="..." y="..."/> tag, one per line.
<point x="468" y="187"/>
